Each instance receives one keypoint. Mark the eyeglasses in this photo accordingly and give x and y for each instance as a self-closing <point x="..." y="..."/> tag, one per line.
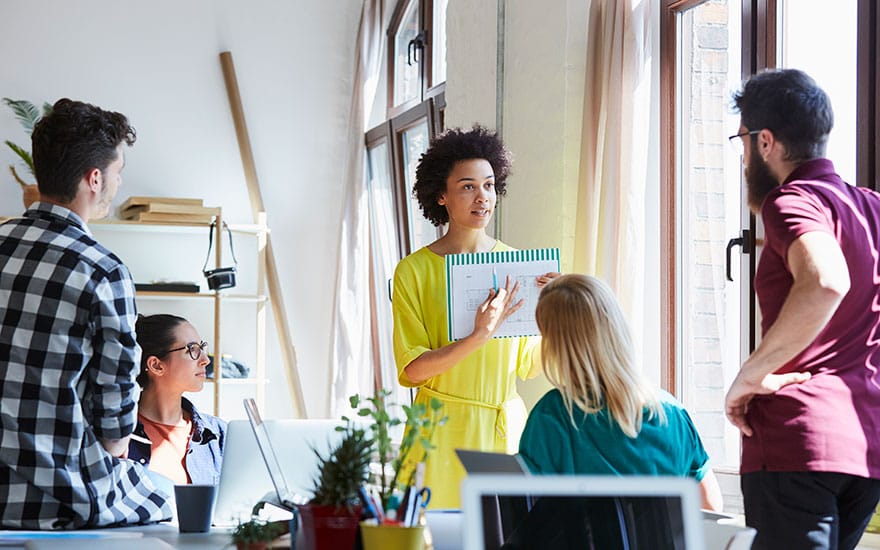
<point x="737" y="143"/>
<point x="194" y="349"/>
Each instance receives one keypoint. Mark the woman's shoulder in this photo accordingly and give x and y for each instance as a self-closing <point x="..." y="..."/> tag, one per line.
<point x="419" y="260"/>
<point x="204" y="420"/>
<point x="550" y="402"/>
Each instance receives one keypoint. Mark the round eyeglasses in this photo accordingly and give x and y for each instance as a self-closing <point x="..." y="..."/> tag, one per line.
<point x="736" y="140"/>
<point x="194" y="349"/>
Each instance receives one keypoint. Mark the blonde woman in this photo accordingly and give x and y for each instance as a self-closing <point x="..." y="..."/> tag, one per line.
<point x="603" y="418"/>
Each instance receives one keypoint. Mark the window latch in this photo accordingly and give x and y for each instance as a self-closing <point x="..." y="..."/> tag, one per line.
<point x="744" y="241"/>
<point x="415" y="46"/>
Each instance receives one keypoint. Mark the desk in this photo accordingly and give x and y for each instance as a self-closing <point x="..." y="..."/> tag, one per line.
<point x="145" y="537"/>
<point x="445" y="527"/>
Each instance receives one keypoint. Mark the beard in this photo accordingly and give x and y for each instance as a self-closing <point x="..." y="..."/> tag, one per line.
<point x="759" y="181"/>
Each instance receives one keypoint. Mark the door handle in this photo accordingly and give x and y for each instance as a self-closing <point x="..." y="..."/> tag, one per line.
<point x="743" y="241"/>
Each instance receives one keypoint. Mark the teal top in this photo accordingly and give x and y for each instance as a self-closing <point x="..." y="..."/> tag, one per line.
<point x="550" y="443"/>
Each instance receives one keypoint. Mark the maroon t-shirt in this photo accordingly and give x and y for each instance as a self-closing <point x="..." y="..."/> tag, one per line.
<point x="830" y="423"/>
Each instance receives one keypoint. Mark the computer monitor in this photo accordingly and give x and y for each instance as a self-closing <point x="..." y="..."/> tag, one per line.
<point x="611" y="512"/>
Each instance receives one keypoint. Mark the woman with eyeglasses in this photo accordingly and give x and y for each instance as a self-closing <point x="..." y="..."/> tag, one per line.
<point x="172" y="438"/>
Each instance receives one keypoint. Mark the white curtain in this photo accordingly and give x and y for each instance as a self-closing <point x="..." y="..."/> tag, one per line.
<point x="610" y="228"/>
<point x="351" y="356"/>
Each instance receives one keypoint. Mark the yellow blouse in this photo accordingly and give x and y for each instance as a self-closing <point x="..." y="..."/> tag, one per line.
<point x="479" y="394"/>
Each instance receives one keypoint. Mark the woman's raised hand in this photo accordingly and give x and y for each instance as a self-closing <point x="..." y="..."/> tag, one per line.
<point x="499" y="305"/>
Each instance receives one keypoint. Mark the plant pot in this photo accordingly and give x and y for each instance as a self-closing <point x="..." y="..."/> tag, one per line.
<point x="329" y="526"/>
<point x="392" y="537"/>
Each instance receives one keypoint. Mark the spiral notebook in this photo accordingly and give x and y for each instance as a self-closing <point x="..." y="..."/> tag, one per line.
<point x="470" y="276"/>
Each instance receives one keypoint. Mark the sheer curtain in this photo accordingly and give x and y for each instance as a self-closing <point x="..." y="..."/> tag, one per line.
<point x="610" y="227"/>
<point x="351" y="356"/>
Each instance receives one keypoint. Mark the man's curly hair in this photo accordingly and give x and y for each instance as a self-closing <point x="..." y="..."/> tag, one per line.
<point x="445" y="150"/>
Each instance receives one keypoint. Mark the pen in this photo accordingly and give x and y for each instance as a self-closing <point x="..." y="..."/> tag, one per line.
<point x="369" y="504"/>
<point x="494" y="279"/>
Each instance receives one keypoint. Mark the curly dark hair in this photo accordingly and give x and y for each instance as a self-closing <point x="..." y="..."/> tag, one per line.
<point x="72" y="140"/>
<point x="791" y="105"/>
<point x="445" y="150"/>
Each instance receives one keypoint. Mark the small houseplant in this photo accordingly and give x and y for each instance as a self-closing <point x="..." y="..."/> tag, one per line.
<point x="419" y="425"/>
<point x="28" y="115"/>
<point x="256" y="534"/>
<point x="330" y="519"/>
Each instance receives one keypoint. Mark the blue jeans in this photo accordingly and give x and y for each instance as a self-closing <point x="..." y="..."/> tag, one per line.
<point x="808" y="510"/>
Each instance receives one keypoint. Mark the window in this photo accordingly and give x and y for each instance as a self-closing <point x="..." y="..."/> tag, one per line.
<point x="831" y="62"/>
<point x="416" y="42"/>
<point x="416" y="53"/>
<point x="708" y="46"/>
<point x="709" y="279"/>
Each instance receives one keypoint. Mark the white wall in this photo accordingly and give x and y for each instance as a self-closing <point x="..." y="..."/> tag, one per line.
<point x="157" y="62"/>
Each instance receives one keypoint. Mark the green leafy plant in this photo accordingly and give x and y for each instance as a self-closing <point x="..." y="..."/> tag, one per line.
<point x="28" y="115"/>
<point x="420" y="423"/>
<point x="255" y="531"/>
<point x="345" y="469"/>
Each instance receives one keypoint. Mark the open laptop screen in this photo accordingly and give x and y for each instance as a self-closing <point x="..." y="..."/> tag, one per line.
<point x="244" y="477"/>
<point x="603" y="512"/>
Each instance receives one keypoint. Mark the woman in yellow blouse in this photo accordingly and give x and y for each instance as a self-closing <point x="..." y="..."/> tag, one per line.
<point x="458" y="181"/>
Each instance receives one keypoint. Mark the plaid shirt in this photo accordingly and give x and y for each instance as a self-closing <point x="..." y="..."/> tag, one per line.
<point x="68" y="361"/>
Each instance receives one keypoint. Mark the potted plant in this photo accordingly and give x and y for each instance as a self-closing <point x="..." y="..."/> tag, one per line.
<point x="398" y="467"/>
<point x="256" y="534"/>
<point x="330" y="519"/>
<point x="28" y="115"/>
<point x="419" y="425"/>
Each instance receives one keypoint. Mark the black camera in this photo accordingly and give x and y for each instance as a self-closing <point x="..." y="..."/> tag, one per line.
<point x="221" y="277"/>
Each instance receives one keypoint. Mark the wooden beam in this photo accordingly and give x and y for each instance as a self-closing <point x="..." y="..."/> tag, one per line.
<point x="256" y="197"/>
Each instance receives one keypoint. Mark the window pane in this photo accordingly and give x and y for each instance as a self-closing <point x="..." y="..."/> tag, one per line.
<point x="406" y="70"/>
<point x="710" y="213"/>
<point x="415" y="142"/>
<point x="821" y="41"/>
<point x="384" y="239"/>
<point x="438" y="43"/>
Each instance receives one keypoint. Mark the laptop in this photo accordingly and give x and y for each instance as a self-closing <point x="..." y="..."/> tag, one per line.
<point x="270" y="461"/>
<point x="634" y="512"/>
<point x="481" y="462"/>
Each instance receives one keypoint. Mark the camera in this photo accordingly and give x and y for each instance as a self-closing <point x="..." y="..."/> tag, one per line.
<point x="220" y="278"/>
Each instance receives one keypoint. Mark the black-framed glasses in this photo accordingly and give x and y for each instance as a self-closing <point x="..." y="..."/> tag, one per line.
<point x="737" y="143"/>
<point x="194" y="349"/>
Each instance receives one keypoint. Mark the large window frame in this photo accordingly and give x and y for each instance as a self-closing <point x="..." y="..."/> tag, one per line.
<point x="422" y="50"/>
<point x="759" y="51"/>
<point x="427" y="107"/>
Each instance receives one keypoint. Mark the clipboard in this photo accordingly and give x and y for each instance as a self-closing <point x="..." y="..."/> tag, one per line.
<point x="470" y="276"/>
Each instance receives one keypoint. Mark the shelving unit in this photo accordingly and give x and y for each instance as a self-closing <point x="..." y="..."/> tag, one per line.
<point x="148" y="263"/>
<point x="171" y="251"/>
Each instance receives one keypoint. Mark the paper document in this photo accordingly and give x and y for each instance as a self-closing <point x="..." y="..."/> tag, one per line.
<point x="470" y="276"/>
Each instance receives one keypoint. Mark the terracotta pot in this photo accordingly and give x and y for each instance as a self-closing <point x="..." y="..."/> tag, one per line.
<point x="30" y="195"/>
<point x="329" y="526"/>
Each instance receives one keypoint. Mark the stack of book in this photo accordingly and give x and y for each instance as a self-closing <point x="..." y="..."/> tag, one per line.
<point x="167" y="210"/>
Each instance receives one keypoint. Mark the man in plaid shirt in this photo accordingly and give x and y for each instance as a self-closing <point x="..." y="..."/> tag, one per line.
<point x="68" y="354"/>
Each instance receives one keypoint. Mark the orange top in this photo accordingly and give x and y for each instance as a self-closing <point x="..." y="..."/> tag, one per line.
<point x="169" y="447"/>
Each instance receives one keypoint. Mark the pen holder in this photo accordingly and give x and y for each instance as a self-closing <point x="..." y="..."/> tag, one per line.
<point x="392" y="537"/>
